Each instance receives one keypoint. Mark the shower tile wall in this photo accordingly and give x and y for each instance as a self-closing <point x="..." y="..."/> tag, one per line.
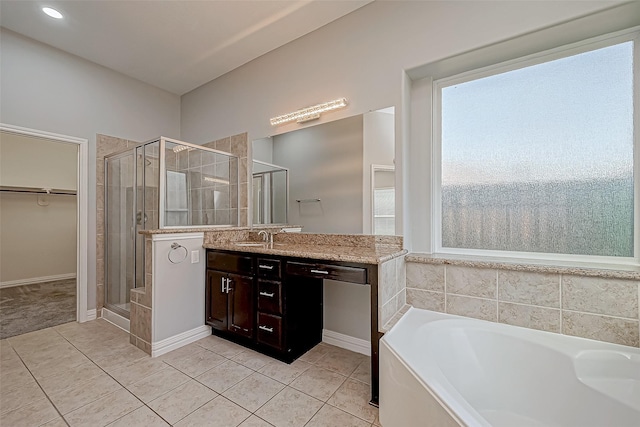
<point x="210" y="201"/>
<point x="105" y="145"/>
<point x="238" y="146"/>
<point x="600" y="308"/>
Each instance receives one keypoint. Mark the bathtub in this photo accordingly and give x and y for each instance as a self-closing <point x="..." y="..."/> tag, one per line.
<point x="444" y="370"/>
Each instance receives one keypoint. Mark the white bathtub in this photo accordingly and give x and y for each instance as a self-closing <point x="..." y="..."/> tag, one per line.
<point x="443" y="370"/>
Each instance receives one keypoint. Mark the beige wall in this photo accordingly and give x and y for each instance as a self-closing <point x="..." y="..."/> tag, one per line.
<point x="37" y="241"/>
<point x="33" y="162"/>
<point x="47" y="89"/>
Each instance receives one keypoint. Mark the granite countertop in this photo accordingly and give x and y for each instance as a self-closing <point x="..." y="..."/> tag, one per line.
<point x="375" y="254"/>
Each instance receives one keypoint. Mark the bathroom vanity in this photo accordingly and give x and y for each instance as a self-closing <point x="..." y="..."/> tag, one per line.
<point x="269" y="296"/>
<point x="272" y="303"/>
<point x="266" y="296"/>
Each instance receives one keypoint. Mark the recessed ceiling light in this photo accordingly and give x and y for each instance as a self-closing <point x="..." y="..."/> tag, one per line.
<point x="52" y="12"/>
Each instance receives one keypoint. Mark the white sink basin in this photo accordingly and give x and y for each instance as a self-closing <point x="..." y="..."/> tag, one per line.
<point x="249" y="244"/>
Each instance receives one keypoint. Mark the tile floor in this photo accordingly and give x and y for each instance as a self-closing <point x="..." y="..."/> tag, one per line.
<point x="89" y="375"/>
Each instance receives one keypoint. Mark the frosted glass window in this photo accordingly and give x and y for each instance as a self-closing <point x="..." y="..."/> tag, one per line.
<point x="540" y="159"/>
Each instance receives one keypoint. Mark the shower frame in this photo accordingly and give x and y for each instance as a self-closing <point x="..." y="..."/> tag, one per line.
<point x="139" y="264"/>
<point x="270" y="173"/>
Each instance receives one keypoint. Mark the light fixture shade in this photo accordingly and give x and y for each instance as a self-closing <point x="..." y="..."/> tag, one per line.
<point x="309" y="113"/>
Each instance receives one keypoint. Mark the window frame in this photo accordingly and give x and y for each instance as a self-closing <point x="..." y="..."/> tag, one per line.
<point x="633" y="35"/>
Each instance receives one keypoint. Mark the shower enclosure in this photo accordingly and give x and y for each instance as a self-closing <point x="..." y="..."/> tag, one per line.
<point x="270" y="193"/>
<point x="163" y="183"/>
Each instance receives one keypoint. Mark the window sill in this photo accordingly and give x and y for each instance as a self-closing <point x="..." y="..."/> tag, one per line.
<point x="629" y="272"/>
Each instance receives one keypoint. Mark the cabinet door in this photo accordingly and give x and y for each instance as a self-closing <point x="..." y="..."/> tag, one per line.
<point x="241" y="305"/>
<point x="216" y="309"/>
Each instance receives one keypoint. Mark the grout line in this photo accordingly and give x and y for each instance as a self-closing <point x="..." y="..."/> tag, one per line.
<point x="560" y="283"/>
<point x="497" y="295"/>
<point x="39" y="386"/>
<point x="444" y="275"/>
<point x="628" y="319"/>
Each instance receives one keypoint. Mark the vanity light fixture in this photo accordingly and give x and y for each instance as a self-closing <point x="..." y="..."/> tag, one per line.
<point x="179" y="148"/>
<point x="217" y="180"/>
<point x="309" y="113"/>
<point x="52" y="12"/>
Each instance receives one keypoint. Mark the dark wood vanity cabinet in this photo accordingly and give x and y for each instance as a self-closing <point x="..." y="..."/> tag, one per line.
<point x="230" y="294"/>
<point x="250" y="296"/>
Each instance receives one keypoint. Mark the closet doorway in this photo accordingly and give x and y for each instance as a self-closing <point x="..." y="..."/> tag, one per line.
<point x="39" y="223"/>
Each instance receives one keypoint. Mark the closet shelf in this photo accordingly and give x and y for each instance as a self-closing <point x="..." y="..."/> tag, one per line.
<point x="34" y="190"/>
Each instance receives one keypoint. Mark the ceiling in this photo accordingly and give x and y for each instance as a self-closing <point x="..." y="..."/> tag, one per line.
<point x="175" y="45"/>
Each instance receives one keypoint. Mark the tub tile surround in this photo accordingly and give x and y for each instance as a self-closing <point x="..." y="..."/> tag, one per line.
<point x="589" y="303"/>
<point x="392" y="296"/>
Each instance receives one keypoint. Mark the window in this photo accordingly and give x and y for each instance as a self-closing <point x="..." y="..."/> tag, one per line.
<point x="537" y="156"/>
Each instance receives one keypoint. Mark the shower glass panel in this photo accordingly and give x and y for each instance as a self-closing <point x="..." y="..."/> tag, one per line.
<point x="159" y="184"/>
<point x="119" y="231"/>
<point x="201" y="186"/>
<point x="270" y="193"/>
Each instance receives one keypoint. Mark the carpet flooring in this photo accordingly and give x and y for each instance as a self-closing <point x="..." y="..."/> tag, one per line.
<point x="33" y="307"/>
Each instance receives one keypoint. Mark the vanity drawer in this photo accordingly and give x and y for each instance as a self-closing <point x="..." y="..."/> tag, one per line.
<point x="269" y="268"/>
<point x="270" y="330"/>
<point x="328" y="271"/>
<point x="270" y="297"/>
<point x="230" y="262"/>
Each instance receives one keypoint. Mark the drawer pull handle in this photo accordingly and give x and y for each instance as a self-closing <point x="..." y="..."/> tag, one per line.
<point x="267" y="294"/>
<point x="264" y="328"/>
<point x="319" y="271"/>
<point x="266" y="267"/>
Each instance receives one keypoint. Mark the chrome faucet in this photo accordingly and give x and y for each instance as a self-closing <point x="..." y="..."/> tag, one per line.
<point x="265" y="235"/>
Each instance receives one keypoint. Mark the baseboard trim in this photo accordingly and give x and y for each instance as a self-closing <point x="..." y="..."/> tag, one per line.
<point x="32" y="280"/>
<point x="92" y="314"/>
<point x="347" y="342"/>
<point x="161" y="347"/>
<point x="115" y="319"/>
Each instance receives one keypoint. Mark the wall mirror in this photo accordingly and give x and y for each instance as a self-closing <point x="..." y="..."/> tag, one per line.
<point x="335" y="177"/>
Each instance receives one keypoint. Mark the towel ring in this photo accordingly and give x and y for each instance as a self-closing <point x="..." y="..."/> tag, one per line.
<point x="174" y="255"/>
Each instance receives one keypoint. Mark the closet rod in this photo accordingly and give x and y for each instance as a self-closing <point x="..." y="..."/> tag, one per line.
<point x="32" y="190"/>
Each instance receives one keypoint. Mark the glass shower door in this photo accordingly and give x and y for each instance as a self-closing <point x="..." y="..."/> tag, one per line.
<point x="120" y="231"/>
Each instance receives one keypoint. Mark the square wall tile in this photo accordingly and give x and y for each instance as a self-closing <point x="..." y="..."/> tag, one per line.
<point x="477" y="308"/>
<point x="401" y="273"/>
<point x="386" y="281"/>
<point x="602" y="328"/>
<point x="529" y="288"/>
<point x="528" y="316"/>
<point x="473" y="282"/>
<point x="429" y="277"/>
<point x="613" y="297"/>
<point x="426" y="300"/>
